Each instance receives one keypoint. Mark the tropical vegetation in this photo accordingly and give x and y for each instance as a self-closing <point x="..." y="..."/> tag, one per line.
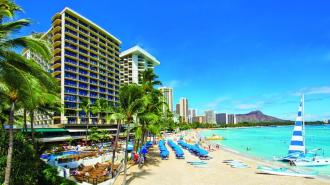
<point x="26" y="89"/>
<point x="22" y="81"/>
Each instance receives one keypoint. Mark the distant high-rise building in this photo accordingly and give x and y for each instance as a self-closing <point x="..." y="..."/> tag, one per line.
<point x="191" y="114"/>
<point x="209" y="116"/>
<point x="198" y="119"/>
<point x="232" y="119"/>
<point x="184" y="109"/>
<point x="221" y="118"/>
<point x="168" y="95"/>
<point x="133" y="62"/>
<point x="177" y="108"/>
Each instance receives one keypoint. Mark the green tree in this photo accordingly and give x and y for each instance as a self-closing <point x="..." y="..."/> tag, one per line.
<point x="18" y="75"/>
<point x="130" y="104"/>
<point x="85" y="106"/>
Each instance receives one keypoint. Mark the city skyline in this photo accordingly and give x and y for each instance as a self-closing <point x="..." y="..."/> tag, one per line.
<point x="251" y="62"/>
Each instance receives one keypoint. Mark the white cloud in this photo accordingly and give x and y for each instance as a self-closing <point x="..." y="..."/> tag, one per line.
<point x="174" y="83"/>
<point x="314" y="90"/>
<point x="215" y="103"/>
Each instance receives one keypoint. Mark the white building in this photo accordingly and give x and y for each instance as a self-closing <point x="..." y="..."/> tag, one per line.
<point x="183" y="109"/>
<point x="168" y="96"/>
<point x="133" y="62"/>
<point x="232" y="119"/>
<point x="210" y="116"/>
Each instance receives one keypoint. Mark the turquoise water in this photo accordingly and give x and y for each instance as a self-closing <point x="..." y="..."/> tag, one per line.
<point x="267" y="142"/>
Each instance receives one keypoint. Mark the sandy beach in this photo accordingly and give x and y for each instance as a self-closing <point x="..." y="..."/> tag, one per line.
<point x="178" y="172"/>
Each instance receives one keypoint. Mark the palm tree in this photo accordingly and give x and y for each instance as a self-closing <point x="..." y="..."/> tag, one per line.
<point x="153" y="101"/>
<point x="130" y="104"/>
<point x="115" y="114"/>
<point x="85" y="106"/>
<point x="18" y="74"/>
<point x="100" y="107"/>
<point x="149" y="80"/>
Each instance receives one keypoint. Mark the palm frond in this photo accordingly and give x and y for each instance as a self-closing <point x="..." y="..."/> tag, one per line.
<point x="14" y="26"/>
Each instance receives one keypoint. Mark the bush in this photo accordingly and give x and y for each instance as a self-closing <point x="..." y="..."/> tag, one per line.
<point x="27" y="168"/>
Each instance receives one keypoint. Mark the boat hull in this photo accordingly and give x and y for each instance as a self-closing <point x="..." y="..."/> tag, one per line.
<point x="313" y="163"/>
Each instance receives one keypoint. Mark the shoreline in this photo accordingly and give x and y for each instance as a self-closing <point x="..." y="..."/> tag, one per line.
<point x="256" y="159"/>
<point x="178" y="171"/>
<point x="267" y="162"/>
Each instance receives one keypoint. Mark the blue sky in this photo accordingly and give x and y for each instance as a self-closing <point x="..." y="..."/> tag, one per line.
<point x="230" y="56"/>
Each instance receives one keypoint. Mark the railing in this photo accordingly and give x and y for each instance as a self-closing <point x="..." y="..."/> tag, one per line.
<point x="83" y="58"/>
<point x="83" y="79"/>
<point x="82" y="86"/>
<point x="70" y="53"/>
<point x="70" y="76"/>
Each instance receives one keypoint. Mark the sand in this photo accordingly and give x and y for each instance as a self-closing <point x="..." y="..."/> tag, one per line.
<point x="178" y="172"/>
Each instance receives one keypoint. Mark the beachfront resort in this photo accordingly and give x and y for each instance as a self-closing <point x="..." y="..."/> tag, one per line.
<point x="82" y="105"/>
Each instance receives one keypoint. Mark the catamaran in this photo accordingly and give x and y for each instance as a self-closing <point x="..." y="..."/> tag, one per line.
<point x="297" y="154"/>
<point x="297" y="147"/>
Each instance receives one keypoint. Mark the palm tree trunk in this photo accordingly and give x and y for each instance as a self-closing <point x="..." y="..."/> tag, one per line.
<point x="116" y="145"/>
<point x="31" y="122"/>
<point x="25" y="125"/>
<point x="126" y="152"/>
<point x="86" y="133"/>
<point x="11" y="143"/>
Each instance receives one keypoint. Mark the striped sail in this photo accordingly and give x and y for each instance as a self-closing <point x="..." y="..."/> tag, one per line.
<point x="298" y="141"/>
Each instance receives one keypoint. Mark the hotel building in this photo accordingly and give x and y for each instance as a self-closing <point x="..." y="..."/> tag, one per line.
<point x="221" y="118"/>
<point x="133" y="62"/>
<point x="209" y="116"/>
<point x="183" y="107"/>
<point x="232" y="119"/>
<point x="86" y="64"/>
<point x="168" y="96"/>
<point x="198" y="119"/>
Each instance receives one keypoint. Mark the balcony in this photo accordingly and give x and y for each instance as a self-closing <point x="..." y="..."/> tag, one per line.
<point x="83" y="65"/>
<point x="71" y="24"/>
<point x="70" y="83"/>
<point x="68" y="38"/>
<point x="83" y="93"/>
<point x="69" y="68"/>
<point x="83" y="58"/>
<point x="84" y="79"/>
<point x="71" y="46"/>
<point x="56" y="64"/>
<point x="69" y="53"/>
<point x="93" y="82"/>
<point x="83" y="86"/>
<point x="71" y="32"/>
<point x="84" y="72"/>
<point x="70" y="75"/>
<point x="93" y="75"/>
<point x="70" y="90"/>
<point x="83" y="44"/>
<point x="71" y="61"/>
<point x="70" y="98"/>
<point x="93" y="68"/>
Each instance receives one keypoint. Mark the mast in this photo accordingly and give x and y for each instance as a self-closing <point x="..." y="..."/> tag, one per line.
<point x="303" y="119"/>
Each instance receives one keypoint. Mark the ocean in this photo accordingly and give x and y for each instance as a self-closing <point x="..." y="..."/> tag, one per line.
<point x="266" y="142"/>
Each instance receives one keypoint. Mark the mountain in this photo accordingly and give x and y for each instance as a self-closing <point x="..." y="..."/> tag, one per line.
<point x="256" y="116"/>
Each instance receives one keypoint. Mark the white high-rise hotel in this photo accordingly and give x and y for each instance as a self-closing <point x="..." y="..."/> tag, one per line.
<point x="183" y="107"/>
<point x="168" y="95"/>
<point x="88" y="64"/>
<point x="133" y="62"/>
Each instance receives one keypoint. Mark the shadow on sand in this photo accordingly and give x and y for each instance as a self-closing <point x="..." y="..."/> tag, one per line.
<point x="153" y="159"/>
